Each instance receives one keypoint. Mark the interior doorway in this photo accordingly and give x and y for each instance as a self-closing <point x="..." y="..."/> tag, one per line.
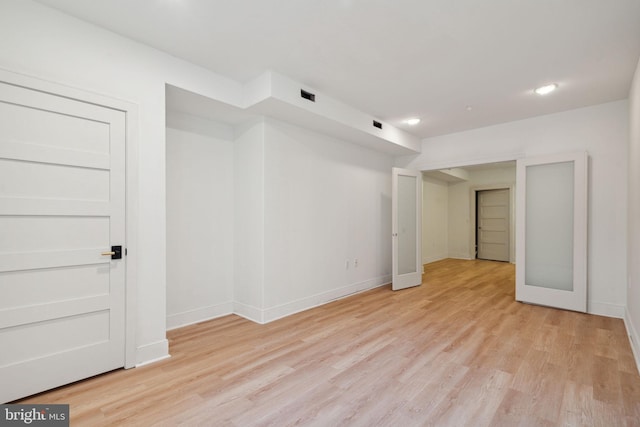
<point x="450" y="205"/>
<point x="492" y="224"/>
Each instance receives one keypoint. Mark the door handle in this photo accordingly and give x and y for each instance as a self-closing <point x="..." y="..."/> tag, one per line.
<point x="115" y="252"/>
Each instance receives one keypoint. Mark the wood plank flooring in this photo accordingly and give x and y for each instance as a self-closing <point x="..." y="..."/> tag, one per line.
<point x="456" y="351"/>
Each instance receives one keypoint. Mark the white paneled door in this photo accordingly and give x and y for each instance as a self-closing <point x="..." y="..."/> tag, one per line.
<point x="406" y="217"/>
<point x="493" y="224"/>
<point x="62" y="208"/>
<point x="551" y="253"/>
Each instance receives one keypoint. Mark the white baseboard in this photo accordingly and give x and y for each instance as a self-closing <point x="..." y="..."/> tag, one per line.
<point x="258" y="315"/>
<point x="287" y="309"/>
<point x="248" y="312"/>
<point x="152" y="352"/>
<point x="429" y="260"/>
<point x="190" y="317"/>
<point x="606" y="309"/>
<point x="634" y="339"/>
<point x="464" y="257"/>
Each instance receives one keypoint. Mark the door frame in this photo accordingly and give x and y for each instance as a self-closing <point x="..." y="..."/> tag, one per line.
<point x="131" y="175"/>
<point x="473" y="217"/>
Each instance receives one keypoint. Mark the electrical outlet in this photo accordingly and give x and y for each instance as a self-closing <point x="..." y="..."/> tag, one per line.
<point x="346" y="264"/>
<point x="355" y="262"/>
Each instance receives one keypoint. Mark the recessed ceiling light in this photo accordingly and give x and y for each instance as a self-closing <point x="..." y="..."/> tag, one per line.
<point x="412" y="122"/>
<point x="544" y="90"/>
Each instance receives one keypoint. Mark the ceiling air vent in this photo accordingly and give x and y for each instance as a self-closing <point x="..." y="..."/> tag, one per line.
<point x="377" y="124"/>
<point x="308" y="95"/>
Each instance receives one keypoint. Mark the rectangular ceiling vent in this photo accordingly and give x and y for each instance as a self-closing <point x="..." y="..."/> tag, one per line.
<point x="377" y="124"/>
<point x="308" y="95"/>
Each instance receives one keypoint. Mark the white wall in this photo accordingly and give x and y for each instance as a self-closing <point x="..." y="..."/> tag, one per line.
<point x="295" y="209"/>
<point x="249" y="220"/>
<point x="326" y="203"/>
<point x="633" y="291"/>
<point x="435" y="219"/>
<point x="602" y="131"/>
<point x="200" y="219"/>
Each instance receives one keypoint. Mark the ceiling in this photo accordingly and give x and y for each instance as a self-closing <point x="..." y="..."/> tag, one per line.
<point x="455" y="64"/>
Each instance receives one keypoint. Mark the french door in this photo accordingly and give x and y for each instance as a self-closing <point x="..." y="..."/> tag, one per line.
<point x="406" y="217"/>
<point x="551" y="231"/>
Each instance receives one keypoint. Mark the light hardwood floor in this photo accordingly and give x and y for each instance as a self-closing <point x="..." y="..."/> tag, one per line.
<point x="456" y="351"/>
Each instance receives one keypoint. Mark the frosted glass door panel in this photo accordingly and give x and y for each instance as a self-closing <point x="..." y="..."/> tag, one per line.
<point x="407" y="232"/>
<point x="406" y="220"/>
<point x="549" y="226"/>
<point x="551" y="230"/>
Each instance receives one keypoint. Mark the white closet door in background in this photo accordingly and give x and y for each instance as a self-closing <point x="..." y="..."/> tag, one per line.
<point x="493" y="224"/>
